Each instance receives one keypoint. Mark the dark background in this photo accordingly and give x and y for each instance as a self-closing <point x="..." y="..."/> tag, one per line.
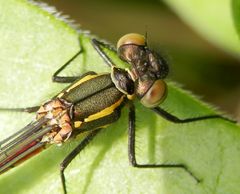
<point x="196" y="64"/>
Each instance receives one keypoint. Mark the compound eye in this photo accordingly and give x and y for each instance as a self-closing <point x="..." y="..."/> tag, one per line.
<point x="155" y="95"/>
<point x="131" y="38"/>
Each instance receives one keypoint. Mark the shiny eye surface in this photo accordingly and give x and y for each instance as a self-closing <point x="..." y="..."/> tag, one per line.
<point x="155" y="95"/>
<point x="131" y="38"/>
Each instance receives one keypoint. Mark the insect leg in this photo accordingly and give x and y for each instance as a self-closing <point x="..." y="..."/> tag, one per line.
<point x="98" y="46"/>
<point x="67" y="79"/>
<point x="175" y="119"/>
<point x="131" y="148"/>
<point x="73" y="154"/>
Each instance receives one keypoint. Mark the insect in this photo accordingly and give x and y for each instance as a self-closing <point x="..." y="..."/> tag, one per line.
<point x="93" y="101"/>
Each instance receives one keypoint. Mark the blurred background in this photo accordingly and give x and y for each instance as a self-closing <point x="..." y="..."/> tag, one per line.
<point x="196" y="64"/>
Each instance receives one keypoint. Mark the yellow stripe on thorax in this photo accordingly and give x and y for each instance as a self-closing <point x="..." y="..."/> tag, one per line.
<point x="77" y="124"/>
<point x="107" y="111"/>
<point x="86" y="78"/>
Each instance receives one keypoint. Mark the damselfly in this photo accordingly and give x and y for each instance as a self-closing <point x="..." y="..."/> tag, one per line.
<point x="93" y="101"/>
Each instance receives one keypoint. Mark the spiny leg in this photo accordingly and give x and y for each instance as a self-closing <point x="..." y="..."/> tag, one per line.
<point x="131" y="148"/>
<point x="175" y="119"/>
<point x="73" y="154"/>
<point x="55" y="78"/>
<point x="66" y="79"/>
<point x="98" y="47"/>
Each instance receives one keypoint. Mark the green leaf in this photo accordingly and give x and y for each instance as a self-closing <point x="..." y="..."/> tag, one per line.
<point x="217" y="21"/>
<point x="34" y="45"/>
